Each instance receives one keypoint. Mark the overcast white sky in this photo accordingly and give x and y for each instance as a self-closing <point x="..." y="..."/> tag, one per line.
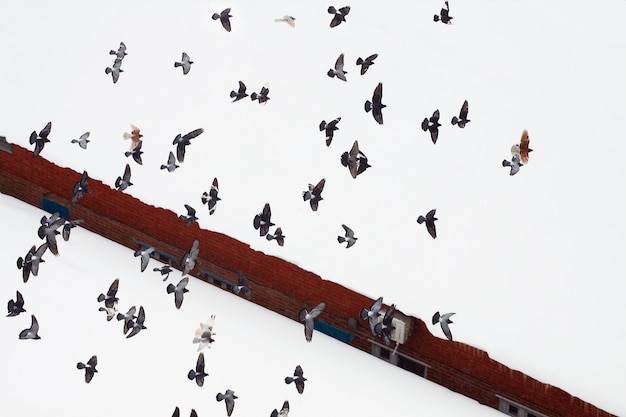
<point x="533" y="264"/>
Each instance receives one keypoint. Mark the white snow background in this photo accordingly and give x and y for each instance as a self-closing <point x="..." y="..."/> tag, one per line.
<point x="533" y="264"/>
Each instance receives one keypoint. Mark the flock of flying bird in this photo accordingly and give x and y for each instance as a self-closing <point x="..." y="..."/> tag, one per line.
<point x="380" y="322"/>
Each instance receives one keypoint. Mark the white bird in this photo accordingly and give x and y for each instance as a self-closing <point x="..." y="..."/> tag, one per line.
<point x="82" y="140"/>
<point x="290" y="20"/>
<point x="205" y="333"/>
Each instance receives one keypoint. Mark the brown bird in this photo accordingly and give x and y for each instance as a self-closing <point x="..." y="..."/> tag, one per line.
<point x="134" y="135"/>
<point x="524" y="150"/>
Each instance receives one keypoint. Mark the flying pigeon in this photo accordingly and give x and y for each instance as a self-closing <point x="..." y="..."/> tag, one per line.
<point x="82" y="140"/>
<point x="205" y="333"/>
<point x="179" y="290"/>
<point x="49" y="230"/>
<point x="298" y="378"/>
<point x="376" y="105"/>
<point x="32" y="331"/>
<point x="349" y="236"/>
<point x="134" y="136"/>
<point x="355" y="160"/>
<point x="185" y="62"/>
<point x="339" y="15"/>
<point x="277" y="236"/>
<point x="329" y="129"/>
<point x="171" y="163"/>
<point x="122" y="183"/>
<point x="121" y="51"/>
<point x="181" y="142"/>
<point x="15" y="307"/>
<point x="242" y="286"/>
<point x="432" y="125"/>
<point x="199" y="373"/>
<point x="40" y="140"/>
<point x="284" y="411"/>
<point x="290" y="20"/>
<point x="164" y="270"/>
<point x="444" y="15"/>
<point x="262" y="221"/>
<point x="137" y="325"/>
<point x="189" y="258"/>
<point x="444" y="320"/>
<point x="110" y="298"/>
<point x="190" y="218"/>
<point x="110" y="312"/>
<point x="211" y="198"/>
<point x="262" y="97"/>
<point x="229" y="398"/>
<point x="366" y="63"/>
<point x="314" y="194"/>
<point x="81" y="187"/>
<point x="430" y="222"/>
<point x="224" y="17"/>
<point x="89" y="367"/>
<point x="145" y="256"/>
<point x="338" y="71"/>
<point x="240" y="93"/>
<point x="385" y="327"/>
<point x="524" y="150"/>
<point x="30" y="263"/>
<point x="462" y="120"/>
<point x="372" y="314"/>
<point x="128" y="318"/>
<point x="515" y="165"/>
<point x="309" y="319"/>
<point x="136" y="153"/>
<point x="115" y="70"/>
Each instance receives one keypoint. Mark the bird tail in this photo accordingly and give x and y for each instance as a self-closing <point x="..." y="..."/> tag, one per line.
<point x="368" y="106"/>
<point x="421" y="219"/>
<point x="341" y="239"/>
<point x="108" y="70"/>
<point x="330" y="73"/>
<point x="455" y="120"/>
<point x="253" y="96"/>
<point x="359" y="61"/>
<point x="170" y="288"/>
<point x="363" y="313"/>
<point x="233" y="94"/>
<point x="163" y="166"/>
<point x="506" y="163"/>
<point x="436" y="18"/>
<point x="80" y="365"/>
<point x="177" y="64"/>
<point x="322" y="125"/>
<point x="101" y="298"/>
<point x="120" y="317"/>
<point x="425" y="124"/>
<point x="127" y="135"/>
<point x="215" y="16"/>
<point x="205" y="197"/>
<point x="288" y="380"/>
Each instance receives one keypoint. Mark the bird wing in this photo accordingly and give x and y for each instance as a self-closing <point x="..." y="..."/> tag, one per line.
<point x="46" y="130"/>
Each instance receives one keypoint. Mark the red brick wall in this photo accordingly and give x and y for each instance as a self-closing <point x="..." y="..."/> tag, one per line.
<point x="276" y="284"/>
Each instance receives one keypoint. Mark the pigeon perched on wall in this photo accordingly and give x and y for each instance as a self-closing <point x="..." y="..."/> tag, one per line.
<point x="40" y="140"/>
<point x="338" y="71"/>
<point x="110" y="312"/>
<point x="290" y="20"/>
<point x="204" y="334"/>
<point x="136" y="153"/>
<point x="262" y="96"/>
<point x="432" y="125"/>
<point x="115" y="70"/>
<point x="30" y="263"/>
<point x="110" y="299"/>
<point x="329" y="129"/>
<point x="348" y="237"/>
<point x="309" y="319"/>
<point x="242" y="286"/>
<point x="376" y="106"/>
<point x="179" y="291"/>
<point x="89" y="367"/>
<point x="171" y="163"/>
<point x="430" y="222"/>
<point x="524" y="150"/>
<point x="284" y="411"/>
<point x="355" y="160"/>
<point x="229" y="398"/>
<point x="298" y="378"/>
<point x="444" y="15"/>
<point x="15" y="307"/>
<point x="190" y="218"/>
<point x="137" y="325"/>
<point x="462" y="120"/>
<point x="314" y="194"/>
<point x="338" y="15"/>
<point x="278" y="236"/>
<point x="33" y="331"/>
<point x="128" y="318"/>
<point x="198" y="374"/>
<point x="444" y="321"/>
<point x="134" y="136"/>
<point x="164" y="270"/>
<point x="121" y="51"/>
<point x="81" y="187"/>
<point x="182" y="141"/>
<point x="372" y="314"/>
<point x="82" y="140"/>
<point x="262" y="221"/>
<point x="240" y="93"/>
<point x="123" y="182"/>
<point x="189" y="258"/>
<point x="185" y="62"/>
<point x="145" y="255"/>
<point x="210" y="198"/>
<point x="224" y="17"/>
<point x="366" y="63"/>
<point x="515" y="165"/>
<point x="385" y="327"/>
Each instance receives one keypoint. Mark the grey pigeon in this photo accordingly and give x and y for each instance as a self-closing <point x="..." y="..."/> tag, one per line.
<point x="68" y="226"/>
<point x="121" y="51"/>
<point x="137" y="325"/>
<point x="49" y="230"/>
<point x="198" y="374"/>
<point x="40" y="140"/>
<point x="262" y="96"/>
<point x="298" y="378"/>
<point x="82" y="140"/>
<point x="81" y="187"/>
<point x="229" y="398"/>
<point x="136" y="153"/>
<point x="190" y="218"/>
<point x="115" y="70"/>
<point x="145" y="256"/>
<point x="182" y="141"/>
<point x="32" y="331"/>
<point x="385" y="327"/>
<point x="123" y="182"/>
<point x="348" y="237"/>
<point x="171" y="163"/>
<point x="366" y="63"/>
<point x="110" y="299"/>
<point x="128" y="318"/>
<point x="376" y="106"/>
<point x="290" y="20"/>
<point x="185" y="62"/>
<point x="164" y="270"/>
<point x="515" y="165"/>
<point x="444" y="15"/>
<point x="314" y="194"/>
<point x="189" y="258"/>
<point x="372" y="314"/>
<point x="179" y="290"/>
<point x="284" y="411"/>
<point x="224" y="17"/>
<point x="262" y="221"/>
<point x="15" y="307"/>
<point x="240" y="93"/>
<point x="432" y="125"/>
<point x="30" y="263"/>
<point x="444" y="321"/>
<point x="338" y="71"/>
<point x="462" y="120"/>
<point x="110" y="311"/>
<point x="329" y="129"/>
<point x="355" y="160"/>
<point x="278" y="236"/>
<point x="89" y="367"/>
<point x="309" y="319"/>
<point x="242" y="286"/>
<point x="430" y="222"/>
<point x="204" y="334"/>
<point x="338" y="15"/>
<point x="211" y="198"/>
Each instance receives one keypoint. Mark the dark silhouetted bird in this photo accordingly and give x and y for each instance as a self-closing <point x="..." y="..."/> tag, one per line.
<point x="15" y="307"/>
<point x="240" y="93"/>
<point x="128" y="318"/>
<point x="110" y="299"/>
<point x="136" y="153"/>
<point x="134" y="136"/>
<point x="284" y="411"/>
<point x="385" y="327"/>
<point x="68" y="226"/>
<point x="430" y="222"/>
<point x="204" y="334"/>
<point x="179" y="290"/>
<point x="515" y="165"/>
<point x="211" y="198"/>
<point x="82" y="140"/>
<point x="33" y="331"/>
<point x="277" y="236"/>
<point x="309" y="319"/>
<point x="242" y="286"/>
<point x="314" y="194"/>
<point x="229" y="398"/>
<point x="115" y="70"/>
<point x="190" y="218"/>
<point x="355" y="160"/>
<point x="121" y="51"/>
<point x="30" y="263"/>
<point x="298" y="378"/>
<point x="444" y="15"/>
<point x="189" y="258"/>
<point x="338" y="71"/>
<point x="372" y="314"/>
<point x="462" y="120"/>
<point x="432" y="125"/>
<point x="329" y="129"/>
<point x="137" y="325"/>
<point x="524" y="150"/>
<point x="444" y="321"/>
<point x="376" y="106"/>
<point x="366" y="63"/>
<point x="181" y="142"/>
<point x="198" y="374"/>
<point x="262" y="97"/>
<point x="145" y="254"/>
<point x="185" y="62"/>
<point x="224" y="17"/>
<point x="338" y="15"/>
<point x="89" y="367"/>
<point x="81" y="187"/>
<point x="349" y="236"/>
<point x="110" y="312"/>
<point x="40" y="140"/>
<point x="164" y="270"/>
<point x="262" y="221"/>
<point x="123" y="182"/>
<point x="290" y="20"/>
<point x="171" y="163"/>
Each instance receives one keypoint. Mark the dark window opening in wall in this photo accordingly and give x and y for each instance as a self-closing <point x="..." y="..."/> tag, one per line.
<point x="218" y="281"/>
<point x="412" y="366"/>
<point x="333" y="331"/>
<point x="401" y="360"/>
<point x="53" y="207"/>
<point x="513" y="408"/>
<point x="158" y="254"/>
